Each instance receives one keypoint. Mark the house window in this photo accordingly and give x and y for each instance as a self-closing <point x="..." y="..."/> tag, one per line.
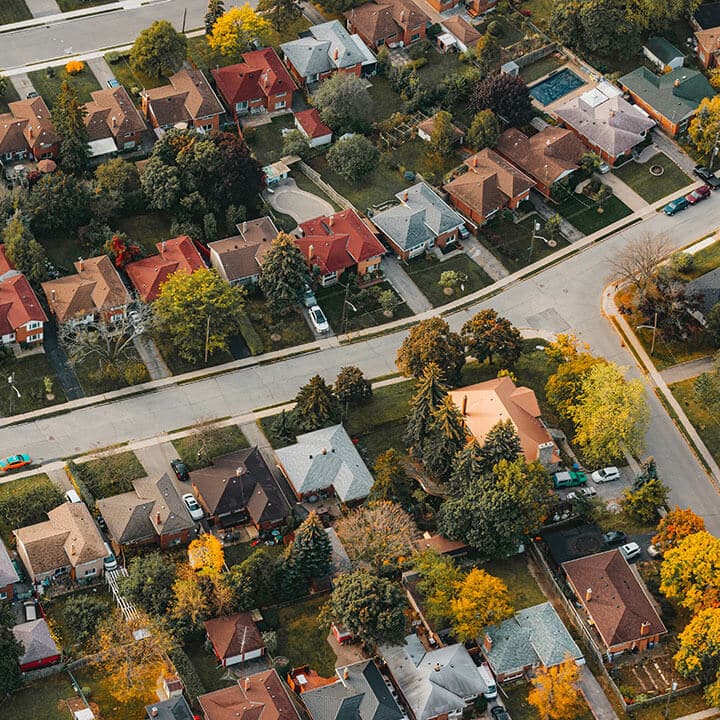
<point x="281" y="104"/>
<point x="240" y="106"/>
<point x="3" y="596"/>
<point x="34" y="338"/>
<point x="372" y="268"/>
<point x="414" y="37"/>
<point x="34" y="325"/>
<point x="380" y="42"/>
<point x="206" y="128"/>
<point x="328" y="279"/>
<point x="281" y="95"/>
<point x="91" y="571"/>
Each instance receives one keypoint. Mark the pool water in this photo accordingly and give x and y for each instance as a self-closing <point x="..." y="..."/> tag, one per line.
<point x="555" y="86"/>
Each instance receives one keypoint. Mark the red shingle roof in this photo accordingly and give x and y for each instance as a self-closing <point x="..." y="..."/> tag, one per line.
<point x="233" y="635"/>
<point x="311" y="123"/>
<point x="260" y="75"/>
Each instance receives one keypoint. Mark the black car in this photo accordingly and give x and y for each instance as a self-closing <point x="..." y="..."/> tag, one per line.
<point x="615" y="537"/>
<point x="704" y="173"/>
<point x="181" y="471"/>
<point x="499" y="713"/>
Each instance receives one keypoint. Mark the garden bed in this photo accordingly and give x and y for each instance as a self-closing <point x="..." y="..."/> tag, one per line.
<point x="49" y="87"/>
<point x="650" y="187"/>
<point x="212" y="442"/>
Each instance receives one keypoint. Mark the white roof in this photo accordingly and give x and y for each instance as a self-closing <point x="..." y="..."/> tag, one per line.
<point x="447" y="39"/>
<point x="104" y="146"/>
<point x="84" y="714"/>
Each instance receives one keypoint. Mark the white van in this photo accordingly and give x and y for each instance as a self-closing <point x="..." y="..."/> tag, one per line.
<point x="30" y="610"/>
<point x="109" y="561"/>
<point x="72" y="496"/>
<point x="489" y="680"/>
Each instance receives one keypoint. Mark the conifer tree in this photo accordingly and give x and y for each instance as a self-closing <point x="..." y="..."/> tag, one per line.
<point x="25" y="253"/>
<point x="68" y="119"/>
<point x="284" y="275"/>
<point x="447" y="434"/>
<point x="466" y="468"/>
<point x="430" y="391"/>
<point x="316" y="405"/>
<point x="309" y="555"/>
<point x="501" y="443"/>
<point x="215" y="10"/>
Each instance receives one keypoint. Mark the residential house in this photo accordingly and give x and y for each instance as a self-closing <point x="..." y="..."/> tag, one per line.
<point x="708" y="47"/>
<point x="176" y="708"/>
<point x="663" y="54"/>
<point x="338" y="243"/>
<point x="67" y="543"/>
<point x="234" y="638"/>
<point x="485" y="404"/>
<point x="258" y="84"/>
<point x="434" y="684"/>
<point x="239" y="487"/>
<point x="327" y="461"/>
<point x="532" y="638"/>
<point x="238" y="259"/>
<point x="671" y="99"/>
<point x="490" y="184"/>
<point x="27" y="133"/>
<point x="309" y="123"/>
<point x="94" y="294"/>
<point x="393" y="24"/>
<point x="262" y="695"/>
<point x="441" y="545"/>
<point x="113" y="122"/>
<point x="708" y="287"/>
<point x="22" y="318"/>
<point x="324" y="50"/>
<point x="39" y="648"/>
<point x="479" y="7"/>
<point x="616" y="605"/>
<point x="359" y="691"/>
<point x="188" y="101"/>
<point x="706" y="16"/>
<point x="8" y="574"/>
<point x="426" y="127"/>
<point x="465" y="36"/>
<point x="547" y="157"/>
<point x="178" y="255"/>
<point x="609" y="125"/>
<point x="421" y="221"/>
<point x="152" y="513"/>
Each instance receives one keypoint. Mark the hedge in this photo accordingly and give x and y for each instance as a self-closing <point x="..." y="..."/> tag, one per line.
<point x="188" y="674"/>
<point x="250" y="335"/>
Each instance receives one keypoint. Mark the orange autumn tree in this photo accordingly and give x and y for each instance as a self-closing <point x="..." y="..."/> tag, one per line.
<point x="555" y="694"/>
<point x="206" y="555"/>
<point x="676" y="526"/>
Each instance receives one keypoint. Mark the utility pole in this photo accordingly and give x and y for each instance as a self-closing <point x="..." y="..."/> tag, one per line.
<point x="184" y="19"/>
<point x="652" y="345"/>
<point x="207" y="337"/>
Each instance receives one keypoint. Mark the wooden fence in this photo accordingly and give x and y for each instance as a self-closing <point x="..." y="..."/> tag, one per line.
<point x="316" y="178"/>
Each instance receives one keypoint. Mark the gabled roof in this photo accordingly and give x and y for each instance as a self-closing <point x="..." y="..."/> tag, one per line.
<point x="233" y="635"/>
<point x="619" y="605"/>
<point x="18" y="302"/>
<point x="8" y="573"/>
<point x="38" y="129"/>
<point x="462" y="30"/>
<point x="36" y="640"/>
<point x="325" y="458"/>
<point x="175" y="708"/>
<point x="188" y="97"/>
<point x="311" y="123"/>
<point x="178" y="255"/>
<point x="662" y="49"/>
<point x="708" y="285"/>
<point x="241" y="255"/>
<point x="378" y="21"/>
<point x="709" y="39"/>
<point x="112" y="114"/>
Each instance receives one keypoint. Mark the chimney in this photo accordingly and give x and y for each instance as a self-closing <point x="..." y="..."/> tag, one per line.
<point x="311" y="252"/>
<point x="31" y="134"/>
<point x="336" y="54"/>
<point x="438" y="667"/>
<point x="163" y="247"/>
<point x="114" y="121"/>
<point x="81" y="262"/>
<point x="405" y="196"/>
<point x="464" y="405"/>
<point x="324" y="451"/>
<point x="487" y="643"/>
<point x="545" y="453"/>
<point x="52" y="295"/>
<point x="644" y="628"/>
<point x="247" y="684"/>
<point x="157" y="518"/>
<point x="677" y="82"/>
<point x="588" y="595"/>
<point x="72" y="548"/>
<point x="331" y="220"/>
<point x="154" y="712"/>
<point x="346" y="673"/>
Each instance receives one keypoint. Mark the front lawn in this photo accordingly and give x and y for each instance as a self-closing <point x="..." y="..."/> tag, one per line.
<point x="706" y="260"/>
<point x="209" y="443"/>
<point x="111" y="474"/>
<point x="669" y="352"/>
<point x="706" y="423"/>
<point x="516" y="701"/>
<point x="291" y="330"/>
<point x="95" y="381"/>
<point x="145" y="230"/>
<point x="130" y="78"/>
<point x="28" y="375"/>
<point x="514" y="572"/>
<point x="179" y="365"/>
<point x="68" y="5"/>
<point x="84" y="83"/>
<point x="534" y="71"/>
<point x="39" y="700"/>
<point x="12" y="11"/>
<point x="426" y="272"/>
<point x="19" y="504"/>
<point x="10" y="95"/>
<point x="266" y="140"/>
<point x="583" y="214"/>
<point x="651" y="187"/>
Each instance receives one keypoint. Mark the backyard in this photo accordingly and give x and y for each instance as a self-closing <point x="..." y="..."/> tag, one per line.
<point x="516" y="701"/>
<point x="705" y="422"/>
<point x="39" y="700"/>
<point x="582" y="213"/>
<point x="145" y="230"/>
<point x="652" y="187"/>
<point x="212" y="675"/>
<point x="266" y="140"/>
<point x="514" y="572"/>
<point x="416" y="155"/>
<point x="49" y="85"/>
<point x="12" y="11"/>
<point x="10" y="95"/>
<point x="198" y="449"/>
<point x="28" y="375"/>
<point x="111" y="708"/>
<point x="534" y="71"/>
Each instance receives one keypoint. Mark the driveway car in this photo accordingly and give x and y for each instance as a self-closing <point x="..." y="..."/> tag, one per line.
<point x="607" y="474"/>
<point x="136" y="321"/>
<point x="318" y="319"/>
<point x="464" y="232"/>
<point x="180" y="470"/>
<point x="603" y="168"/>
<point x="698" y="194"/>
<point x="193" y="506"/>
<point x="704" y="173"/>
<point x="630" y="551"/>
<point x="309" y="299"/>
<point x="14" y="462"/>
<point x="614" y="537"/>
<point x="569" y="478"/>
<point x="676" y="206"/>
<point x="498" y="712"/>
<point x="113" y="83"/>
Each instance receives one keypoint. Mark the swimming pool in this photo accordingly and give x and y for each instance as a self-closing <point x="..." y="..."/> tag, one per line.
<point x="555" y="86"/>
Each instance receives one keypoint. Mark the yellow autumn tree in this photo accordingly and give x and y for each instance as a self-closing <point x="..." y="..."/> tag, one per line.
<point x="699" y="653"/>
<point x="190" y="599"/>
<point x="705" y="126"/>
<point x="481" y="599"/>
<point x="555" y="694"/>
<point x="676" y="526"/>
<point x="206" y="555"/>
<point x="236" y="29"/>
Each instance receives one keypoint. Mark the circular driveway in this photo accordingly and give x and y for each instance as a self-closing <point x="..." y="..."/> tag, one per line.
<point x="287" y="198"/>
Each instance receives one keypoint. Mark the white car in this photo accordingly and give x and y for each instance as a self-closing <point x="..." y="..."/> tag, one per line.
<point x="607" y="474"/>
<point x="193" y="506"/>
<point x="136" y="321"/>
<point x="318" y="319"/>
<point x="588" y="491"/>
<point x="630" y="550"/>
<point x="654" y="551"/>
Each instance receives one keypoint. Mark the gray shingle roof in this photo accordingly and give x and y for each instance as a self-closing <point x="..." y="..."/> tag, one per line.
<point x="173" y="709"/>
<point x="662" y="49"/>
<point x="708" y="285"/>
<point x="36" y="640"/>
<point x="439" y="216"/>
<point x="8" y="574"/>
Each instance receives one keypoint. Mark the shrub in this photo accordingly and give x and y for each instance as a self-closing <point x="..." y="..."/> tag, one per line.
<point x="495" y="28"/>
<point x="74" y="67"/>
<point x="135" y="373"/>
<point x="682" y="261"/>
<point x="188" y="674"/>
<point x="353" y="158"/>
<point x="250" y="335"/>
<point x="113" y="57"/>
<point x="417" y="64"/>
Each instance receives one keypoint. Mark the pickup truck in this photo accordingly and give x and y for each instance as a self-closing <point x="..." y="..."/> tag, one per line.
<point x="569" y="478"/>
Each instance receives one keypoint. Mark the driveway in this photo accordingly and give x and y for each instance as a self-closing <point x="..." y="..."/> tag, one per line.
<point x="664" y="144"/>
<point x="404" y="285"/>
<point x="156" y="459"/>
<point x="151" y="357"/>
<point x="101" y="70"/>
<point x="59" y="362"/>
<point x="688" y="370"/>
<point x="22" y="84"/>
<point x="289" y="199"/>
<point x="623" y="192"/>
<point x="42" y="8"/>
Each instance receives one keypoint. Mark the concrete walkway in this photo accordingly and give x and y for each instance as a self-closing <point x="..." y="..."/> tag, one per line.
<point x="43" y="8"/>
<point x="289" y="199"/>
<point x="404" y="285"/>
<point x="101" y="70"/>
<point x="687" y="370"/>
<point x="481" y="256"/>
<point x="702" y="715"/>
<point x="623" y="192"/>
<point x="596" y="698"/>
<point x="151" y="357"/>
<point x="22" y="84"/>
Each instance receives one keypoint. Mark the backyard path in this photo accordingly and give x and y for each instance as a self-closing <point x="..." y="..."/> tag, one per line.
<point x="287" y="198"/>
<point x="404" y="284"/>
<point x="687" y="370"/>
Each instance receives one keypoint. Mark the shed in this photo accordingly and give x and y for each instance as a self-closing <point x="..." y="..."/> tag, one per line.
<point x="663" y="53"/>
<point x="341" y="633"/>
<point x="276" y="173"/>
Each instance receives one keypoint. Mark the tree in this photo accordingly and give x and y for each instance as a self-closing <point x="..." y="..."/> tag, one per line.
<point x="699" y="653"/>
<point x="590" y="162"/>
<point x="84" y="613"/>
<point x="451" y="279"/>
<point x="117" y="179"/>
<point x="430" y="392"/>
<point x="120" y="251"/>
<point x="442" y="137"/>
<point x="4" y="85"/>
<point x="643" y="503"/>
<point x="58" y="202"/>
<point x="389" y="301"/>
<point x="690" y="571"/>
<point x="555" y="694"/>
<point x="310" y="551"/>
<point x="206" y="555"/>
<point x="281" y="13"/>
<point x="636" y="263"/>
<point x="391" y="481"/>
<point x="431" y="341"/>
<point x="23" y="251"/>
<point x="487" y="53"/>
<point x="480" y="600"/>
<point x="705" y="126"/>
<point x="316" y="405"/>
<point x="215" y="10"/>
<point x="612" y="414"/>
<point x="259" y="572"/>
<point x="200" y="312"/>
<point x="351" y="386"/>
<point x="353" y="157"/>
<point x="671" y="303"/>
<point x="713" y="323"/>
<point x="284" y="275"/>
<point x="11" y="650"/>
<point x="466" y="468"/>
<point x="235" y="30"/>
<point x="372" y="608"/>
<point x="439" y="580"/>
<point x="487" y="335"/>
<point x="564" y="387"/>
<point x="344" y="103"/>
<point x="68" y="119"/>
<point x="149" y="582"/>
<point x="501" y="443"/>
<point x="484" y="130"/>
<point x="158" y="50"/>
<point x="552" y="228"/>
<point x="379" y="533"/>
<point x="295" y="143"/>
<point x="677" y="524"/>
<point x="506" y="95"/>
<point x="447" y="435"/>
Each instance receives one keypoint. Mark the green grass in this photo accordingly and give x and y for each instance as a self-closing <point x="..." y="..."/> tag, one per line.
<point x="706" y="424"/>
<point x="417" y="155"/>
<point x="510" y="30"/>
<point x="514" y="572"/>
<point x="292" y="329"/>
<point x="19" y="514"/>
<point x="426" y="272"/>
<point x="68" y="5"/>
<point x="96" y="382"/>
<point x="669" y="352"/>
<point x="84" y="83"/>
<point x="205" y="58"/>
<point x="12" y="11"/>
<point x="212" y="442"/>
<point x="179" y="365"/>
<point x="533" y="72"/>
<point x="706" y="260"/>
<point x="145" y="230"/>
<point x="306" y="184"/>
<point x="130" y="78"/>
<point x="516" y="701"/>
<point x="587" y="219"/>
<point x="28" y="373"/>
<point x="211" y="673"/>
<point x="301" y="640"/>
<point x="100" y="693"/>
<point x="438" y="66"/>
<point x="385" y="101"/>
<point x="39" y="700"/>
<point x="650" y="187"/>
<point x="679" y="707"/>
<point x="10" y="95"/>
<point x="266" y="140"/>
<point x="112" y="474"/>
<point x="541" y="11"/>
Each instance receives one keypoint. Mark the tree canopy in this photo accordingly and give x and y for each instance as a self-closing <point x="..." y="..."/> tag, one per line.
<point x="149" y="582"/>
<point x="489" y="336"/>
<point x="344" y="103"/>
<point x="281" y="13"/>
<point x="284" y="275"/>
<point x="429" y="393"/>
<point x="506" y="95"/>
<point x="68" y="119"/>
<point x="484" y="130"/>
<point x="643" y="504"/>
<point x="352" y="387"/>
<point x="353" y="157"/>
<point x="158" y="50"/>
<point x="316" y="405"/>
<point x="235" y="30"/>
<point x="11" y="650"/>
<point x="391" y="480"/>
<point x="25" y="253"/>
<point x="431" y="341"/>
<point x="676" y="526"/>
<point x="555" y="694"/>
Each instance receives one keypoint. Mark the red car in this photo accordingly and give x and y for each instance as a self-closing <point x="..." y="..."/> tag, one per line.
<point x="698" y="194"/>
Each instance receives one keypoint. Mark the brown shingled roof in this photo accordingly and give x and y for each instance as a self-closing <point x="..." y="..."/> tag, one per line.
<point x="242" y="255"/>
<point x="188" y="97"/>
<point x="462" y="30"/>
<point x="111" y="113"/>
<point x="233" y="635"/>
<point x="377" y="21"/>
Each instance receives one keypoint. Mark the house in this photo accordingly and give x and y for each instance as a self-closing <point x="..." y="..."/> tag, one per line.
<point x="188" y="101"/>
<point x="485" y="404"/>
<point x="309" y="123"/>
<point x="113" y="122"/>
<point x="426" y="127"/>
<point x="359" y="692"/>
<point x="462" y="32"/>
<point x="262" y="695"/>
<point x="479" y="7"/>
<point x="152" y="513"/>
<point x="325" y="460"/>
<point x="8" y="574"/>
<point x="94" y="294"/>
<point x="22" y="318"/>
<point x="324" y="50"/>
<point x="421" y="221"/>
<point x="547" y="157"/>
<point x="67" y="543"/>
<point x="176" y="708"/>
<point x="39" y="648"/>
<point x="616" y="605"/>
<point x="609" y="125"/>
<point x="434" y="684"/>
<point x="490" y="184"/>
<point x="706" y="16"/>
<point x="663" y="54"/>
<point x="238" y="259"/>
<point x="27" y="133"/>
<point x="441" y="545"/>
<point x="708" y="287"/>
<point x="532" y="638"/>
<point x="258" y="84"/>
<point x="393" y="24"/>
<point x="239" y="487"/>
<point x="671" y="99"/>
<point x="178" y="255"/>
<point x="338" y="243"/>
<point x="234" y="638"/>
<point x="708" y="47"/>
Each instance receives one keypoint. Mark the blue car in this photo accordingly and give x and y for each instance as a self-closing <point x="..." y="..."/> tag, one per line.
<point x="14" y="462"/>
<point x="113" y="83"/>
<point x="675" y="206"/>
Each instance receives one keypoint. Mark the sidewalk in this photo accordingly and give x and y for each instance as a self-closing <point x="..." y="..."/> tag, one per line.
<point x="688" y="370"/>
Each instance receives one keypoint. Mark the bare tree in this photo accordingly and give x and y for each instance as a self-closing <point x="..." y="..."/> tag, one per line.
<point x="637" y="262"/>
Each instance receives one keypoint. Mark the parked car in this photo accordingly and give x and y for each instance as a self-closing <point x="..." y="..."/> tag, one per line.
<point x="32" y="94"/>
<point x="136" y="321"/>
<point x="654" y="551"/>
<point x="707" y="175"/>
<point x="603" y="168"/>
<point x="588" y="491"/>
<point x="607" y="474"/>
<point x="109" y="561"/>
<point x="569" y="478"/>
<point x="676" y="206"/>
<point x="72" y="496"/>
<point x="180" y="470"/>
<point x="318" y="319"/>
<point x="698" y="194"/>
<point x="193" y="506"/>
<point x="614" y="537"/>
<point x="498" y="712"/>
<point x="464" y="232"/>
<point x="113" y="83"/>
<point x="14" y="462"/>
<point x="630" y="551"/>
<point x="309" y="299"/>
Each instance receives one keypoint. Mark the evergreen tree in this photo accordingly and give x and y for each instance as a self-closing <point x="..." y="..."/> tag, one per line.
<point x="25" y="253"/>
<point x="68" y="119"/>
<point x="284" y="275"/>
<point x="352" y="387"/>
<point x="501" y="443"/>
<point x="282" y="429"/>
<point x="316" y="405"/>
<point x="391" y="480"/>
<point x="215" y="10"/>
<point x="447" y="435"/>
<point x="309" y="555"/>
<point x="429" y="394"/>
<point x="466" y="468"/>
